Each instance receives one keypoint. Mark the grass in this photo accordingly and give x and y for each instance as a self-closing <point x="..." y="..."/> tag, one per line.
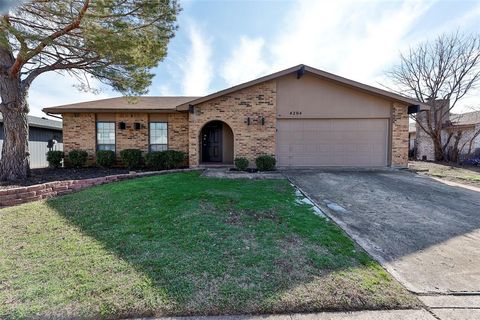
<point x="181" y="244"/>
<point x="462" y="174"/>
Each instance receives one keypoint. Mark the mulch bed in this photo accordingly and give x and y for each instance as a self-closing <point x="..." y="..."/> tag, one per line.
<point x="48" y="175"/>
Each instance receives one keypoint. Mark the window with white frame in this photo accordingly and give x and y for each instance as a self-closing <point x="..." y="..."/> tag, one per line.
<point x="158" y="136"/>
<point x="106" y="136"/>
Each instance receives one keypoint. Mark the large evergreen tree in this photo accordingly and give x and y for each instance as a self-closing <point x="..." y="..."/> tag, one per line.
<point x="115" y="41"/>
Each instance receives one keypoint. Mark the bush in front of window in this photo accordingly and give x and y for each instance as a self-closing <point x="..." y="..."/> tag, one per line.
<point x="165" y="160"/>
<point x="77" y="158"/>
<point x="241" y="163"/>
<point x="176" y="159"/>
<point x="54" y="158"/>
<point x="265" y="163"/>
<point x="105" y="158"/>
<point x="131" y="158"/>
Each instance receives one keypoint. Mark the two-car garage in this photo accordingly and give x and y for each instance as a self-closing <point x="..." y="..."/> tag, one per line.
<point x="332" y="142"/>
<point x="323" y="123"/>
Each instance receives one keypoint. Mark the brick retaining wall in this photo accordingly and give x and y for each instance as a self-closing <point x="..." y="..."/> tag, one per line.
<point x="14" y="196"/>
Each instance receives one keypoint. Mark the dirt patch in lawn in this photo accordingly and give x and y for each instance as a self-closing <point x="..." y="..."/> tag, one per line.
<point x="469" y="175"/>
<point x="44" y="175"/>
<point x="250" y="216"/>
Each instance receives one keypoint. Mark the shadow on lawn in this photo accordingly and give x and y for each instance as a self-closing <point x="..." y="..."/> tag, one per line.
<point x="211" y="246"/>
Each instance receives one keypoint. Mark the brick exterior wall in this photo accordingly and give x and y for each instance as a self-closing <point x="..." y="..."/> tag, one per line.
<point x="423" y="142"/>
<point x="178" y="131"/>
<point x="80" y="132"/>
<point x="399" y="135"/>
<point x="131" y="138"/>
<point x="233" y="109"/>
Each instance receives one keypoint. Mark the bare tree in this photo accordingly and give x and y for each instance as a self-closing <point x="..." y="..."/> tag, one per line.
<point x="447" y="68"/>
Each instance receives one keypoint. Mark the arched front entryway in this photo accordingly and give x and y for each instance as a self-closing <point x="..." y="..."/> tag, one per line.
<point x="216" y="143"/>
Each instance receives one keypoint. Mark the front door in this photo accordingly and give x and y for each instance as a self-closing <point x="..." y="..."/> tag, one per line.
<point x="212" y="142"/>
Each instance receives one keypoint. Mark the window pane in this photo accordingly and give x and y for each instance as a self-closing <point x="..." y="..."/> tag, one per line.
<point x="158" y="135"/>
<point x="158" y="147"/>
<point x="106" y="147"/>
<point x="106" y="134"/>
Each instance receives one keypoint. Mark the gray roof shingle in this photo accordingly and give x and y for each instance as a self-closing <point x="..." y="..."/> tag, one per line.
<point x="41" y="122"/>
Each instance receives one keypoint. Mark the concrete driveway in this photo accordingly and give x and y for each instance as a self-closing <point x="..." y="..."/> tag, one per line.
<point x="426" y="233"/>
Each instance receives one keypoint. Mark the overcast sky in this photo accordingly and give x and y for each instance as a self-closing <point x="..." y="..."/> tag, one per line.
<point x="222" y="43"/>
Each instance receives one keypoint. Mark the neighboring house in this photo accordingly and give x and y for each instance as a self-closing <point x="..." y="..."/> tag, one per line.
<point x="304" y="116"/>
<point x="466" y="123"/>
<point x="40" y="130"/>
<point x="412" y="135"/>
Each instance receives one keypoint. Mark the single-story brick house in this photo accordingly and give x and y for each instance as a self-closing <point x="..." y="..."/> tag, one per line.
<point x="304" y="116"/>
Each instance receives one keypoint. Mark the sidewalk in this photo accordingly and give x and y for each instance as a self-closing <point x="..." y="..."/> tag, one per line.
<point x="360" y="315"/>
<point x="433" y="314"/>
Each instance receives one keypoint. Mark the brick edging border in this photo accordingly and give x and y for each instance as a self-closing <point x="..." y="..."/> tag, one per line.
<point x="15" y="196"/>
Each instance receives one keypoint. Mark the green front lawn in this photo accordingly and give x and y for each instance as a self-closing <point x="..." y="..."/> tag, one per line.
<point x="181" y="244"/>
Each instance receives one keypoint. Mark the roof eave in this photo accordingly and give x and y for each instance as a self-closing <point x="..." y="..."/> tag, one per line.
<point x="98" y="110"/>
<point x="460" y="126"/>
<point x="45" y="127"/>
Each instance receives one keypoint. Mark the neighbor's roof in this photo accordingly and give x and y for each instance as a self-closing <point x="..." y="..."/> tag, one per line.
<point x="159" y="104"/>
<point x="469" y="118"/>
<point x="41" y="122"/>
<point x="319" y="73"/>
<point x="153" y="104"/>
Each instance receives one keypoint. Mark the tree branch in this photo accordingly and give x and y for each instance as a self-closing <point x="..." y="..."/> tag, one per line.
<point x="24" y="57"/>
<point x="59" y="65"/>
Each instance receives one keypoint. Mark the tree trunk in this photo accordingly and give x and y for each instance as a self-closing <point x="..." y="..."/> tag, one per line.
<point x="438" y="149"/>
<point x="455" y="155"/>
<point x="14" y="164"/>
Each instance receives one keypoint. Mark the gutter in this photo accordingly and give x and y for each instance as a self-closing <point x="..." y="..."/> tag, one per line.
<point x="54" y="116"/>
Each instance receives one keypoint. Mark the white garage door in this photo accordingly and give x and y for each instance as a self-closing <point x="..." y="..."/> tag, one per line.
<point x="332" y="142"/>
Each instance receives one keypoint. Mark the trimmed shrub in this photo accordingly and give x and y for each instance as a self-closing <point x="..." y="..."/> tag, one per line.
<point x="131" y="158"/>
<point x="105" y="158"/>
<point x="241" y="163"/>
<point x="177" y="159"/>
<point x="77" y="158"/>
<point x="265" y="163"/>
<point x="164" y="160"/>
<point x="54" y="158"/>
